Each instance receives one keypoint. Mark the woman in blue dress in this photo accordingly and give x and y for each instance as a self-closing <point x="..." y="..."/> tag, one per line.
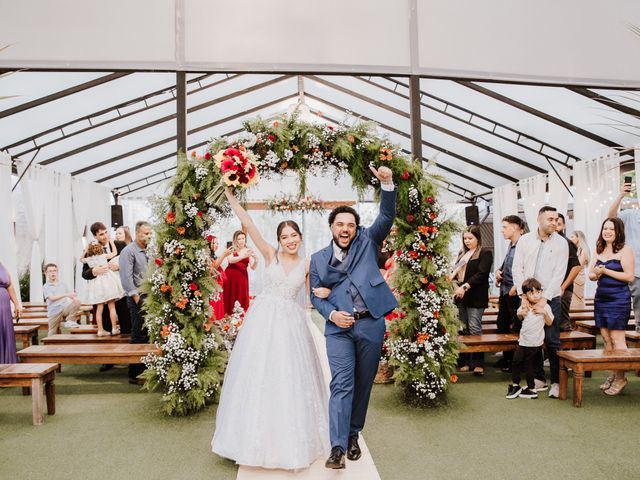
<point x="612" y="268"/>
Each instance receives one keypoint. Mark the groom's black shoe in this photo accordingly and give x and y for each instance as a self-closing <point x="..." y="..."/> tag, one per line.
<point x="353" y="449"/>
<point x="336" y="459"/>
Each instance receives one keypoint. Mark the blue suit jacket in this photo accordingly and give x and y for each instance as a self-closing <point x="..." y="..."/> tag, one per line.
<point x="361" y="270"/>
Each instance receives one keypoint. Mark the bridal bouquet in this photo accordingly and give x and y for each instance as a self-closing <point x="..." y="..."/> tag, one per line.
<point x="238" y="169"/>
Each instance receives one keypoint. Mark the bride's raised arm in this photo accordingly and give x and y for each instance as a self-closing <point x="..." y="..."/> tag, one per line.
<point x="265" y="248"/>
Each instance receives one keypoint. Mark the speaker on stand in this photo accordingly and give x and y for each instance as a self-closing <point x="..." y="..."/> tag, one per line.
<point x="116" y="216"/>
<point x="471" y="215"/>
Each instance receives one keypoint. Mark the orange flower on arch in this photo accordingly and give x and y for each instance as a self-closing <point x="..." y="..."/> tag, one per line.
<point x="454" y="378"/>
<point x="164" y="333"/>
<point x="422" y="337"/>
<point x="423" y="229"/>
<point x="180" y="230"/>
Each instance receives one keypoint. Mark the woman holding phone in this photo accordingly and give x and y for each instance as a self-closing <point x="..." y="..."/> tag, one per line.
<point x="237" y="281"/>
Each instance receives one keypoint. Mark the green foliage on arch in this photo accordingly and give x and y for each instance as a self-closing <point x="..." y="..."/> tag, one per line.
<point x="191" y="356"/>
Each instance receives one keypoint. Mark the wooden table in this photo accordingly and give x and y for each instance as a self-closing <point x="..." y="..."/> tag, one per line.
<point x="589" y="326"/>
<point x="500" y="342"/>
<point x="74" y="339"/>
<point x="581" y="361"/>
<point x="34" y="376"/>
<point x="87" y="353"/>
<point x="84" y="329"/>
<point x="27" y="334"/>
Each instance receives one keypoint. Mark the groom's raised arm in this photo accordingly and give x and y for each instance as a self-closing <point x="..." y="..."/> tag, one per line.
<point x="322" y="305"/>
<point x="381" y="227"/>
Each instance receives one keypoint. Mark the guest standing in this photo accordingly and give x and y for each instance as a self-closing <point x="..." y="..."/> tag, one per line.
<point x="543" y="254"/>
<point x="509" y="301"/>
<point x="631" y="220"/>
<point x="613" y="269"/>
<point x="133" y="268"/>
<point x="237" y="281"/>
<point x="219" y="274"/>
<point x="472" y="294"/>
<point x="566" y="288"/>
<point x="123" y="235"/>
<point x="7" y="336"/>
<point x="584" y="257"/>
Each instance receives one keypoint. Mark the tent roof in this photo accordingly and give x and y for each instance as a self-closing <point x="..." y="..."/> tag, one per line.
<point x="119" y="128"/>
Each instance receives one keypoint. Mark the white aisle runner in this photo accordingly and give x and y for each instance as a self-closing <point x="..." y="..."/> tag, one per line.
<point x="363" y="469"/>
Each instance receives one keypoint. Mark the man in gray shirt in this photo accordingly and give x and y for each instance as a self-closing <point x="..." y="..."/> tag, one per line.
<point x="133" y="269"/>
<point x="62" y="303"/>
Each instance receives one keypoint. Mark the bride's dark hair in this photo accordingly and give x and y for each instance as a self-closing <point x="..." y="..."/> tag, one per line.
<point x="281" y="225"/>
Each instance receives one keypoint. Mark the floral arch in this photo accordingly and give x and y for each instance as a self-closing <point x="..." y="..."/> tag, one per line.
<point x="191" y="356"/>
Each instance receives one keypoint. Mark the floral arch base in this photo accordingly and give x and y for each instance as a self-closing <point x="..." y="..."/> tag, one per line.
<point x="191" y="356"/>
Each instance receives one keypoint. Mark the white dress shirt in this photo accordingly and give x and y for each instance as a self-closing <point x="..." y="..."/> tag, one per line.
<point x="544" y="260"/>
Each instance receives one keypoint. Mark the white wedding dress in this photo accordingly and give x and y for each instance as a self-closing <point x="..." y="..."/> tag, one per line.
<point x="273" y="410"/>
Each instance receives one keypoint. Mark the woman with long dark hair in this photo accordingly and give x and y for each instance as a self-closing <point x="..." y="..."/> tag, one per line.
<point x="237" y="281"/>
<point x="613" y="269"/>
<point x="273" y="410"/>
<point x="471" y="275"/>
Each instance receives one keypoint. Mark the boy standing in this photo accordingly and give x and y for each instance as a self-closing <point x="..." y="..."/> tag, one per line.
<point x="535" y="314"/>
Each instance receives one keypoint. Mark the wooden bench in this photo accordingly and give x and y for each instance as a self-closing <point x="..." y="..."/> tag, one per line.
<point x="42" y="324"/>
<point x="118" y="353"/>
<point x="499" y="342"/>
<point x="34" y="376"/>
<point x="589" y="326"/>
<point x="27" y="334"/>
<point x="581" y="361"/>
<point x="84" y="329"/>
<point x="69" y="339"/>
<point x="633" y="339"/>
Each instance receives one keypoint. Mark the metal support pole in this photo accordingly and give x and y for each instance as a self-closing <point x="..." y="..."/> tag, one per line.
<point x="416" y="121"/>
<point x="181" y="111"/>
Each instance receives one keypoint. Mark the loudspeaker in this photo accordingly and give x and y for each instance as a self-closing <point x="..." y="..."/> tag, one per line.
<point x="116" y="216"/>
<point x="471" y="215"/>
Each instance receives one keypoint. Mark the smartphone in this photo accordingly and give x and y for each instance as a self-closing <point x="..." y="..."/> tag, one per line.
<point x="229" y="244"/>
<point x="627" y="180"/>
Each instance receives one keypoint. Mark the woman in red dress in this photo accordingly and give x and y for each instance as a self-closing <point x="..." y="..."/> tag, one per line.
<point x="218" y="273"/>
<point x="236" y="286"/>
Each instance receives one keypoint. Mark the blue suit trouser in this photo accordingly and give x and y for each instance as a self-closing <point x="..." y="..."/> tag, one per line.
<point x="354" y="354"/>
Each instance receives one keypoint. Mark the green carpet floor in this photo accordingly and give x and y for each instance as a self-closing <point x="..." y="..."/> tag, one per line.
<point x="105" y="428"/>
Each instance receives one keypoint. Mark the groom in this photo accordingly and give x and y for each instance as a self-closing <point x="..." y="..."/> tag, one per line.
<point x="355" y="310"/>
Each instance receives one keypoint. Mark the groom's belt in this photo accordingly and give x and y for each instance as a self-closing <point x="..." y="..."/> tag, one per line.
<point x="359" y="315"/>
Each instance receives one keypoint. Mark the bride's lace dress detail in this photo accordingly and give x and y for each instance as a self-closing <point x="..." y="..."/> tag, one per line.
<point x="273" y="409"/>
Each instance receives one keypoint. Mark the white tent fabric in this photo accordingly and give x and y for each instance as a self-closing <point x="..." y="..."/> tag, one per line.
<point x="596" y="183"/>
<point x="58" y="234"/>
<point x="558" y="193"/>
<point x="82" y="200"/>
<point x="505" y="202"/>
<point x="35" y="185"/>
<point x="532" y="192"/>
<point x="7" y="239"/>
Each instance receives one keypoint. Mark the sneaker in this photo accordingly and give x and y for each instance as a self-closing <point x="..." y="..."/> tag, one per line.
<point x="115" y="331"/>
<point x="103" y="333"/>
<point x="528" y="393"/>
<point x="554" y="391"/>
<point x="540" y="385"/>
<point x="514" y="391"/>
<point x="71" y="324"/>
<point x="546" y="363"/>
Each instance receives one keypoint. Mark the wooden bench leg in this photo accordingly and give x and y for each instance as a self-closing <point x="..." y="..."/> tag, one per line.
<point x="35" y="339"/>
<point x="25" y="342"/>
<point x="564" y="380"/>
<point x="36" y="401"/>
<point x="26" y="391"/>
<point x="50" y="389"/>
<point x="577" y="388"/>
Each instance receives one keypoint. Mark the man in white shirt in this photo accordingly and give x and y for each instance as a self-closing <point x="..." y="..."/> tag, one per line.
<point x="543" y="254"/>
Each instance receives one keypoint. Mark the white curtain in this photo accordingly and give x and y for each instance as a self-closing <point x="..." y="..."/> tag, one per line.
<point x="8" y="251"/>
<point x="36" y="184"/>
<point x="596" y="182"/>
<point x="62" y="229"/>
<point x="81" y="192"/>
<point x="505" y="202"/>
<point x="558" y="193"/>
<point x="532" y="193"/>
<point x="636" y="152"/>
<point x="101" y="205"/>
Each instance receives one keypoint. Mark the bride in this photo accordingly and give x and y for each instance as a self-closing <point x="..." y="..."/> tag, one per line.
<point x="273" y="409"/>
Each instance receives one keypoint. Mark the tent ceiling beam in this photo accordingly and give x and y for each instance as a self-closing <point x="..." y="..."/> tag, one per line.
<point x="590" y="94"/>
<point x="425" y="143"/>
<point x="428" y="124"/>
<point x="161" y="120"/>
<point x="545" y="116"/>
<point x="173" y="138"/>
<point x="92" y="118"/>
<point x="495" y="126"/>
<point x="63" y="93"/>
